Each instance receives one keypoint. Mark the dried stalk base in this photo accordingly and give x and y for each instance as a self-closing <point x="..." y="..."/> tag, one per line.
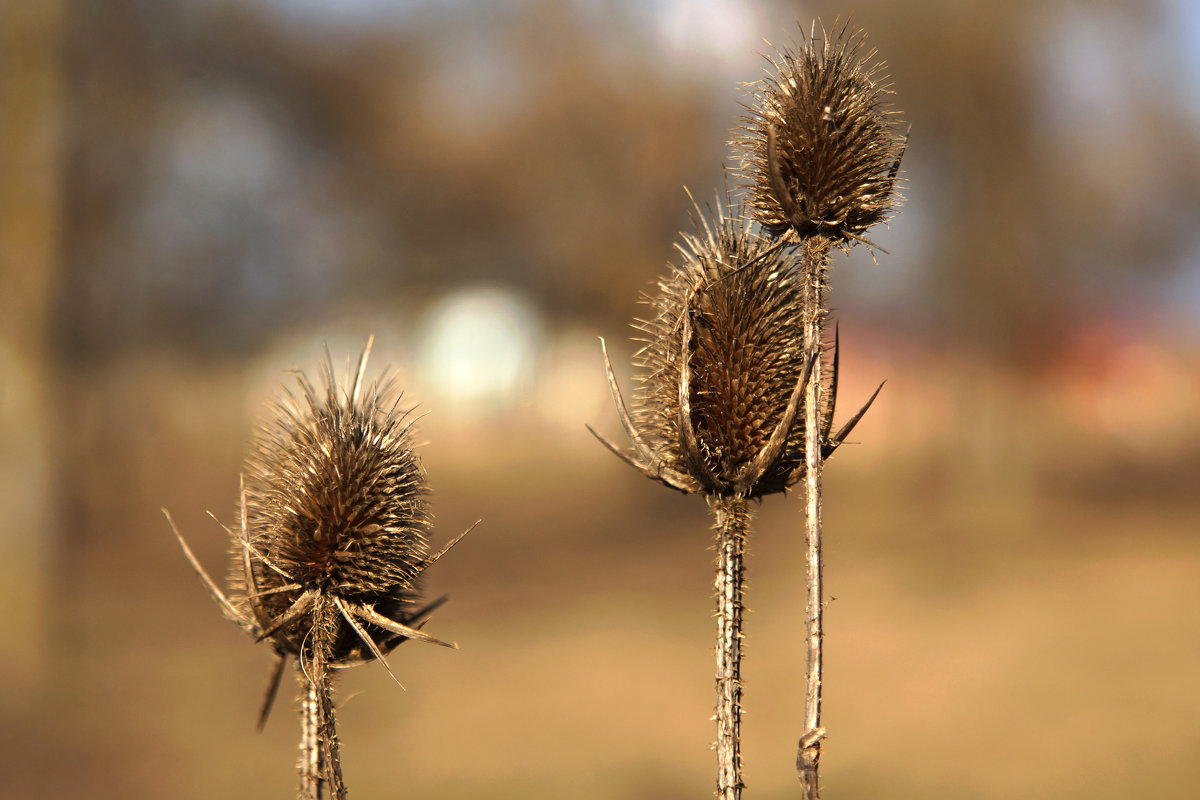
<point x="320" y="763"/>
<point x="814" y="262"/>
<point x="309" y="764"/>
<point x="732" y="523"/>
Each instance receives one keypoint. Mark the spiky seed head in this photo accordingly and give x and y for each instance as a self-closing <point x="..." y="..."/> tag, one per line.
<point x="725" y="337"/>
<point x="819" y="146"/>
<point x="335" y="504"/>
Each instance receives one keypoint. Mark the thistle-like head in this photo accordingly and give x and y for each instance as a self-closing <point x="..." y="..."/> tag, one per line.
<point x="335" y="504"/>
<point x="819" y="146"/>
<point x="333" y="537"/>
<point x="723" y="369"/>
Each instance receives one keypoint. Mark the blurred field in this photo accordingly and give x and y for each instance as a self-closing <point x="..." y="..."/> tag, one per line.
<point x="983" y="641"/>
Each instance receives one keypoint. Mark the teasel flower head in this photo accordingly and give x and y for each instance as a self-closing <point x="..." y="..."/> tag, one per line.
<point x="334" y="529"/>
<point x="820" y="147"/>
<point x="723" y="369"/>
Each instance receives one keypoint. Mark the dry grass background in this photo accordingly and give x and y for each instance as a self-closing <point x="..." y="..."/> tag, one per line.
<point x="983" y="641"/>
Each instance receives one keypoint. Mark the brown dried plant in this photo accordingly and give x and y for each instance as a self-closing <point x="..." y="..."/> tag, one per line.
<point x="821" y="151"/>
<point x="723" y="368"/>
<point x="820" y="148"/>
<point x="332" y="543"/>
<point x="723" y="374"/>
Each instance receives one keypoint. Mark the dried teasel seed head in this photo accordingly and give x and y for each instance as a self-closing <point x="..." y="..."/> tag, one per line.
<point x="723" y="369"/>
<point x="333" y="535"/>
<point x="335" y="514"/>
<point x="819" y="146"/>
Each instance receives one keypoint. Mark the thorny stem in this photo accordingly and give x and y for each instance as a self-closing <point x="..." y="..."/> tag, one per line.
<point x="320" y="753"/>
<point x="815" y="260"/>
<point x="310" y="760"/>
<point x="732" y="521"/>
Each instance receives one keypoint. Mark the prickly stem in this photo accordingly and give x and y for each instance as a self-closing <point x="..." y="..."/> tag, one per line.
<point x="732" y="524"/>
<point x="814" y="263"/>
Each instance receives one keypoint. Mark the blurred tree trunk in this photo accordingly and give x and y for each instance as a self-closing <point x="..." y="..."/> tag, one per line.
<point x="999" y="278"/>
<point x="105" y="101"/>
<point x="31" y="103"/>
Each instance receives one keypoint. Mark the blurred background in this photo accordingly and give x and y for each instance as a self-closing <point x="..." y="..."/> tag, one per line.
<point x="196" y="194"/>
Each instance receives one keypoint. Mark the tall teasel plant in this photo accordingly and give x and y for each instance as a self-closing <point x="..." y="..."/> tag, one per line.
<point x="720" y="409"/>
<point x="328" y="556"/>
<point x="737" y="395"/>
<point x="821" y="151"/>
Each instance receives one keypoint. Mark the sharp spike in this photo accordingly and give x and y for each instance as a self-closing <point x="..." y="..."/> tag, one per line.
<point x="372" y="616"/>
<point x="678" y="481"/>
<point x="618" y="453"/>
<point x="416" y="620"/>
<point x="247" y="568"/>
<point x="667" y="476"/>
<point x="214" y="518"/>
<point x="867" y="242"/>
<point x="433" y="559"/>
<point x="422" y="615"/>
<point x="300" y="607"/>
<point x="291" y="587"/>
<point x="253" y="550"/>
<point x="272" y="689"/>
<point x="362" y="368"/>
<point x="366" y="638"/>
<point x="841" y="435"/>
<point x="222" y="601"/>
<point x="622" y="410"/>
